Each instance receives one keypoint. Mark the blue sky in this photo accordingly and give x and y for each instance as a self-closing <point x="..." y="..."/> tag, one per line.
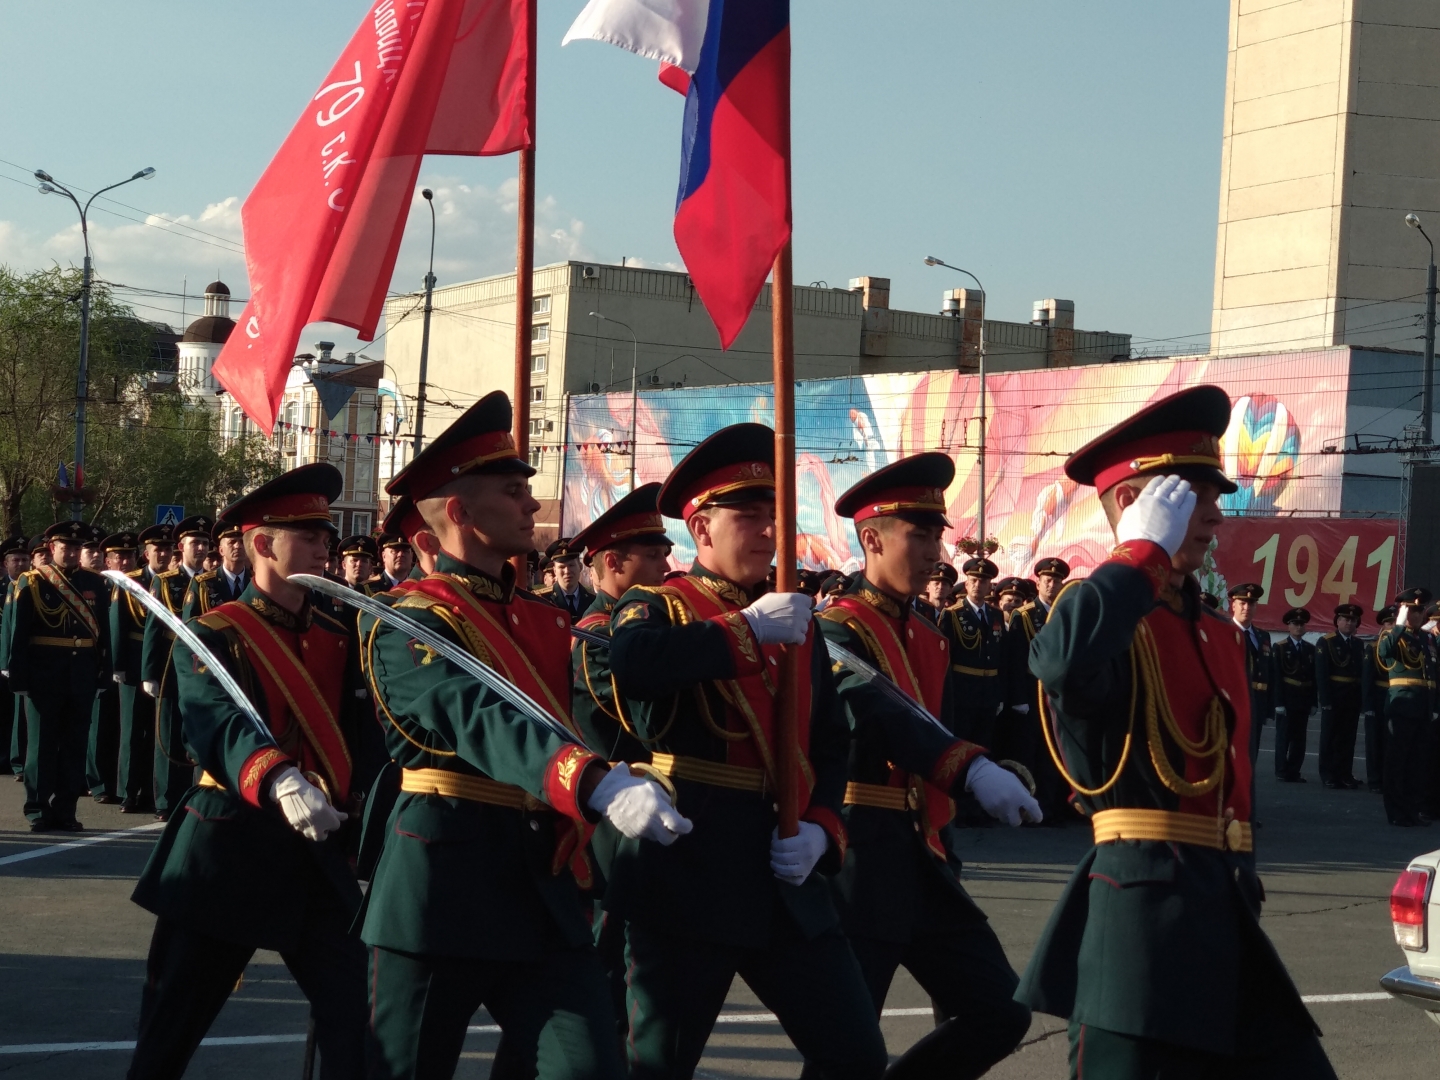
<point x="1065" y="149"/>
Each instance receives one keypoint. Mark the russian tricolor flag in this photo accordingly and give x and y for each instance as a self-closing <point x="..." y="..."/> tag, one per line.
<point x="732" y="215"/>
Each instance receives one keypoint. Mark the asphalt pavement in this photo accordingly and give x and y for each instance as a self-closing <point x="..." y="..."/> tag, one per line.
<point x="74" y="957"/>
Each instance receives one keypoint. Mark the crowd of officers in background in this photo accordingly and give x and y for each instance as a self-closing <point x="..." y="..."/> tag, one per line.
<point x="119" y="744"/>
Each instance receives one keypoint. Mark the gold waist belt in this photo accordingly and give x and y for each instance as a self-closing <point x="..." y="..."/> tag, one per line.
<point x="1297" y="682"/>
<point x="64" y="642"/>
<point x="455" y="785"/>
<point x="983" y="672"/>
<point x="1171" y="826"/>
<point x="714" y="773"/>
<point x="1344" y="678"/>
<point x="1259" y="686"/>
<point x="206" y="780"/>
<point x="135" y="635"/>
<point x="1401" y="681"/>
<point x="880" y="796"/>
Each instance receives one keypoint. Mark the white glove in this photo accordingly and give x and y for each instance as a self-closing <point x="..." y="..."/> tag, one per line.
<point x="999" y="707"/>
<point x="1000" y="793"/>
<point x="779" y="618"/>
<point x="1160" y="514"/>
<point x="119" y="677"/>
<point x="151" y="688"/>
<point x="792" y="859"/>
<point x="1023" y="710"/>
<point x="304" y="805"/>
<point x="1279" y="711"/>
<point x="638" y="808"/>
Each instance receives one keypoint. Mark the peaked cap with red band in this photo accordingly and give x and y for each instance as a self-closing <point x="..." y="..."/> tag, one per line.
<point x="736" y="465"/>
<point x="912" y="488"/>
<point x="300" y="498"/>
<point x="635" y="518"/>
<point x="478" y="442"/>
<point x="1177" y="435"/>
<point x="403" y="520"/>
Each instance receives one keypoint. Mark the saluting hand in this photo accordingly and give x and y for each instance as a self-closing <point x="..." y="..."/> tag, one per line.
<point x="1160" y="514"/>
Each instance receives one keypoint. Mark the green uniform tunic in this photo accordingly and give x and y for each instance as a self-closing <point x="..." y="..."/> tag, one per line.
<point x="174" y="771"/>
<point x="1294" y="663"/>
<point x="1339" y="661"/>
<point x="135" y="782"/>
<point x="1374" y="690"/>
<point x="1157" y="944"/>
<point x="12" y="748"/>
<point x="230" y="875"/>
<point x="473" y="902"/>
<point x="899" y="890"/>
<point x="1407" y="659"/>
<point x="708" y="906"/>
<point x="59" y="660"/>
<point x="976" y="644"/>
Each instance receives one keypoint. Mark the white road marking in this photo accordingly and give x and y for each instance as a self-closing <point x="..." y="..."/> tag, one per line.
<point x="84" y="841"/>
<point x="494" y="1029"/>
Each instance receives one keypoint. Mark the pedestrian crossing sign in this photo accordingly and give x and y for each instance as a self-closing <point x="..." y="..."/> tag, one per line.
<point x="169" y="514"/>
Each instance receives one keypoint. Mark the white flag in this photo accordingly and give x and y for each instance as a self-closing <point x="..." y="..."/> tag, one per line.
<point x="671" y="31"/>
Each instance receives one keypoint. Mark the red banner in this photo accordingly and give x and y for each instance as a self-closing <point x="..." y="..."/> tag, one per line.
<point x="1314" y="563"/>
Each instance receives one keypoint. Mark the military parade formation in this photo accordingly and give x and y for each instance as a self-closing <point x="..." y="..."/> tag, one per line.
<point x="436" y="772"/>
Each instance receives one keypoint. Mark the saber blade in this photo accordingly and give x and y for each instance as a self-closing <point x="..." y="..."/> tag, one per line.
<point x="523" y="702"/>
<point x="172" y="622"/>
<point x="876" y="678"/>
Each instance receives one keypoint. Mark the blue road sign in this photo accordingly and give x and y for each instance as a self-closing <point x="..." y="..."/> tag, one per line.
<point x="169" y="514"/>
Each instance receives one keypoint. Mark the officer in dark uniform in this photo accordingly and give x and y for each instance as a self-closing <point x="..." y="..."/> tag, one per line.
<point x="1339" y="658"/>
<point x="1009" y="594"/>
<point x="210" y="588"/>
<point x="1406" y="655"/>
<point x="358" y="556"/>
<point x="397" y="560"/>
<point x="12" y="553"/>
<point x="1294" y="666"/>
<point x="1259" y="662"/>
<point x="136" y="780"/>
<point x="474" y="899"/>
<point x="102" y="760"/>
<point x="1027" y="744"/>
<point x="1375" y="692"/>
<point x="259" y="860"/>
<point x="29" y="558"/>
<point x="1154" y="952"/>
<point x="59" y="661"/>
<point x="563" y="558"/>
<point x="899" y="890"/>
<point x="693" y="660"/>
<point x="939" y="591"/>
<point x="976" y="630"/>
<point x="174" y="771"/>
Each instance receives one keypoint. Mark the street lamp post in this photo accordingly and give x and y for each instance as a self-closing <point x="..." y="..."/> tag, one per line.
<point x="50" y="186"/>
<point x="931" y="260"/>
<point x="429" y="197"/>
<point x="1427" y="393"/>
<point x="634" y="386"/>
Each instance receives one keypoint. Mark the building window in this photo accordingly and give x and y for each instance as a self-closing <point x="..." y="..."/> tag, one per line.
<point x="337" y="517"/>
<point x="538" y="365"/>
<point x="540" y="305"/>
<point x="535" y="459"/>
<point x="360" y="523"/>
<point x="537" y="427"/>
<point x="537" y="393"/>
<point x="540" y="333"/>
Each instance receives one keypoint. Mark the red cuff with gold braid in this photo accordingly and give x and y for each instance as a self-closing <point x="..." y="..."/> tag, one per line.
<point x="1146" y="556"/>
<point x="833" y="826"/>
<point x="740" y="639"/>
<point x="953" y="764"/>
<point x="562" y="780"/>
<point x="257" y="767"/>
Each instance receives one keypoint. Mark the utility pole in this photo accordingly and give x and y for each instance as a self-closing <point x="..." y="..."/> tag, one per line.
<point x="50" y="186"/>
<point x="634" y="385"/>
<point x="429" y="197"/>
<point x="931" y="260"/>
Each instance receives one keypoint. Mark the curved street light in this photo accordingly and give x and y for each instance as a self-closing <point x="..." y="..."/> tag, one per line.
<point x="50" y="186"/>
<point x="429" y="197"/>
<point x="931" y="260"/>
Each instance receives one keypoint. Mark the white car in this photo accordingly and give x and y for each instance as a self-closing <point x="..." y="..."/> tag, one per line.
<point x="1415" y="914"/>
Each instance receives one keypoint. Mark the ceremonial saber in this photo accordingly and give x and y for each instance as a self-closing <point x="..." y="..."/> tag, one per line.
<point x="195" y="645"/>
<point x="522" y="701"/>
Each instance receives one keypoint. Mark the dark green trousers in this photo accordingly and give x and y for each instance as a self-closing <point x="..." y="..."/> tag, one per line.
<point x="102" y="758"/>
<point x="135" y="782"/>
<point x="1097" y="1054"/>
<point x="677" y="986"/>
<point x="57" y="721"/>
<point x="174" y="771"/>
<point x="19" y="736"/>
<point x="555" y="1015"/>
<point x="189" y="976"/>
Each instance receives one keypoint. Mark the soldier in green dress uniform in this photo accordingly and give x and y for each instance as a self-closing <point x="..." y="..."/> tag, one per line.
<point x="474" y="899"/>
<point x="12" y="551"/>
<point x="136" y="780"/>
<point x="1339" y="658"/>
<point x="1406" y="655"/>
<point x="694" y="661"/>
<point x="226" y="581"/>
<point x="59" y="662"/>
<point x="1259" y="659"/>
<point x="1375" y="690"/>
<point x="566" y="591"/>
<point x="174" y="771"/>
<point x="976" y="630"/>
<point x="36" y="554"/>
<point x="258" y="859"/>
<point x="1294" y="677"/>
<point x="358" y="556"/>
<point x="1026" y="744"/>
<point x="939" y="589"/>
<point x="102" y="761"/>
<point x="899" y="891"/>
<point x="1154" y="952"/>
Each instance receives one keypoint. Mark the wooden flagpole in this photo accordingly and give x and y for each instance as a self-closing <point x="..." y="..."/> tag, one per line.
<point x="787" y="731"/>
<point x="525" y="280"/>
